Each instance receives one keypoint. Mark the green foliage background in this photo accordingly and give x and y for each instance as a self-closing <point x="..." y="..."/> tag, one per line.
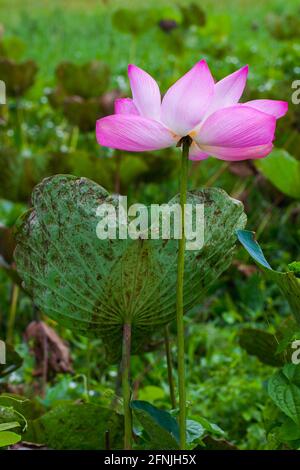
<point x="227" y="386"/>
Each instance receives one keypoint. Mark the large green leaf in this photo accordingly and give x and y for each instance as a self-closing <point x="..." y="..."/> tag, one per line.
<point x="283" y="171"/>
<point x="287" y="281"/>
<point x="284" y="389"/>
<point x="162" y="429"/>
<point x="93" y="286"/>
<point x="78" y="427"/>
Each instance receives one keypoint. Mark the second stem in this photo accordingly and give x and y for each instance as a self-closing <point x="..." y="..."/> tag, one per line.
<point x="185" y="143"/>
<point x="126" y="347"/>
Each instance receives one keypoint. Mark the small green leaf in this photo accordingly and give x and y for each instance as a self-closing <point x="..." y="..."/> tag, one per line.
<point x="6" y="426"/>
<point x="261" y="344"/>
<point x="159" y="425"/>
<point x="18" y="77"/>
<point x="151" y="393"/>
<point x="194" y="431"/>
<point x="84" y="80"/>
<point x="292" y="372"/>
<point x="8" y="438"/>
<point x="9" y="414"/>
<point x="248" y="241"/>
<point x="295" y="267"/>
<point x="283" y="171"/>
<point x="28" y="409"/>
<point x="288" y="431"/>
<point x="211" y="428"/>
<point x="284" y="390"/>
<point x="126" y="21"/>
<point x="286" y="281"/>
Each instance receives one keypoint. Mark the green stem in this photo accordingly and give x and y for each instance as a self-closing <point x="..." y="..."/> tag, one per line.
<point x="74" y="139"/>
<point x="12" y="314"/>
<point x="126" y="386"/>
<point x="18" y="125"/>
<point x="170" y="367"/>
<point x="185" y="143"/>
<point x="85" y="394"/>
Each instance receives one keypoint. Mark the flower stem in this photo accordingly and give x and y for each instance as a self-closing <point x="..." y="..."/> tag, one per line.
<point x="170" y="367"/>
<point x="12" y="314"/>
<point x="18" y="135"/>
<point x="74" y="138"/>
<point x="185" y="143"/>
<point x="126" y="347"/>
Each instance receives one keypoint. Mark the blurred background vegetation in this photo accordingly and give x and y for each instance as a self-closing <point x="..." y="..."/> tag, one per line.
<point x="64" y="63"/>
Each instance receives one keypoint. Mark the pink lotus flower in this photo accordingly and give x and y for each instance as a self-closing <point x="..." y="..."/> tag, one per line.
<point x="195" y="105"/>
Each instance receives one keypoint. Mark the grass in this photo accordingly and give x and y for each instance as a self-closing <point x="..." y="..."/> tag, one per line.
<point x="225" y="384"/>
<point x="68" y="30"/>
